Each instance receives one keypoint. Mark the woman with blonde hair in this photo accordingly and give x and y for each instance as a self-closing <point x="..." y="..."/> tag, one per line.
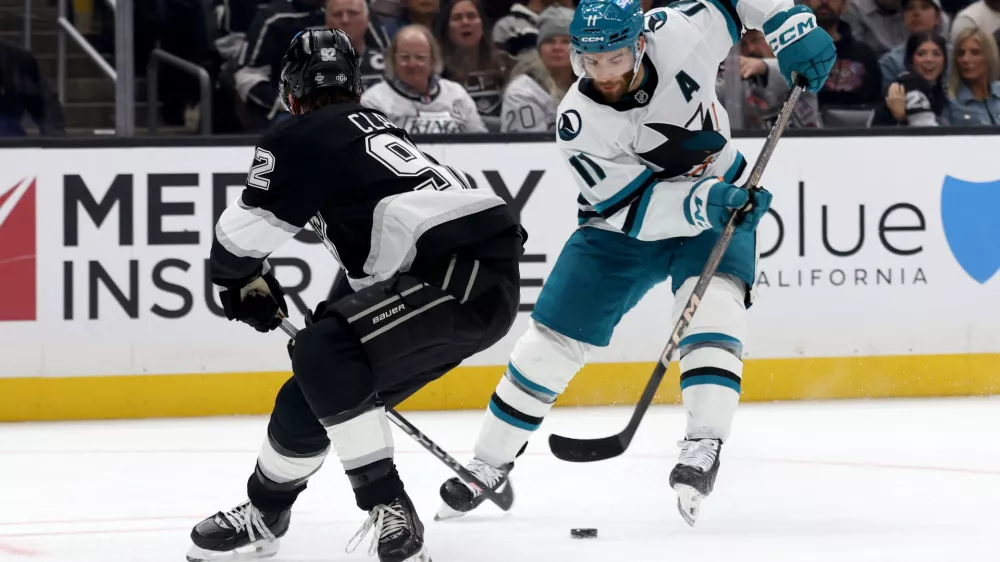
<point x="974" y="81"/>
<point x="541" y="77"/>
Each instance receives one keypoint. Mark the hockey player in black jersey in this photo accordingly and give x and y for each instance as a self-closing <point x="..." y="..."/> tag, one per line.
<point x="432" y="278"/>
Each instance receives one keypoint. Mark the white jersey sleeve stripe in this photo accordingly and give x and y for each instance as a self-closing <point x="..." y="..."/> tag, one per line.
<point x="251" y="232"/>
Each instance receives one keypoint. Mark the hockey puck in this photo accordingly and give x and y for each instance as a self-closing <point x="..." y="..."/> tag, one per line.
<point x="583" y="533"/>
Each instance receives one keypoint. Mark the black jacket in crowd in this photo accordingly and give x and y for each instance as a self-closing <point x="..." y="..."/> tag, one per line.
<point x="856" y="78"/>
<point x="23" y="89"/>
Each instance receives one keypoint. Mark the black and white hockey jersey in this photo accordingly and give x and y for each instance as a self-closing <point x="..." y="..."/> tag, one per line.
<point x="379" y="204"/>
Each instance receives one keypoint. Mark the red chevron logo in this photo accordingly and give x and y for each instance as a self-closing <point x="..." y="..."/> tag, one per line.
<point x="17" y="252"/>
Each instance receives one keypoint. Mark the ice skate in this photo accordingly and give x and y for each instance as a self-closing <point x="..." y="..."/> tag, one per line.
<point x="242" y="533"/>
<point x="461" y="497"/>
<point x="694" y="476"/>
<point x="398" y="533"/>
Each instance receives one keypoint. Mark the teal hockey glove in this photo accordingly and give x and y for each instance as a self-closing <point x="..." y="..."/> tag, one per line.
<point x="802" y="48"/>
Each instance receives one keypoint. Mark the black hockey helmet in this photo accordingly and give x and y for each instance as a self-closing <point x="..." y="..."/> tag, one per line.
<point x="316" y="59"/>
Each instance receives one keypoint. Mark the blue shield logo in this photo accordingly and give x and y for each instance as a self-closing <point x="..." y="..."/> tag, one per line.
<point x="968" y="213"/>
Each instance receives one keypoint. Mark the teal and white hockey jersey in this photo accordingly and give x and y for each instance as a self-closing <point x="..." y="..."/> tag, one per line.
<point x="639" y="161"/>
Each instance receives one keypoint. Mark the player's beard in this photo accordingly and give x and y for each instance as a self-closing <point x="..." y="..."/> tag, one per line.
<point x="616" y="88"/>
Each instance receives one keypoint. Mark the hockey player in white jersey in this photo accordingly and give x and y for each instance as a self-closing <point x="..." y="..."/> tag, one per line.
<point x="648" y="144"/>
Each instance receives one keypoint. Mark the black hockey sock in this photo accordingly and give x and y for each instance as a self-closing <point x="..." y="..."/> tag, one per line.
<point x="270" y="496"/>
<point x="375" y="484"/>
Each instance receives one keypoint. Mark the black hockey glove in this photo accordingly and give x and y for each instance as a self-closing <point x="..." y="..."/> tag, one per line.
<point x="256" y="303"/>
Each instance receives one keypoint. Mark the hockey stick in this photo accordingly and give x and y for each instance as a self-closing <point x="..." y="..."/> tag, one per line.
<point x="426" y="443"/>
<point x="589" y="450"/>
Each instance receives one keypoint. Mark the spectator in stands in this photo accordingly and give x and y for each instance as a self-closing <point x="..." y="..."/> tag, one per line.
<point x="917" y="97"/>
<point x="984" y="14"/>
<point x="974" y="80"/>
<point x="232" y="20"/>
<point x="920" y="17"/>
<point x="470" y="58"/>
<point x="414" y="96"/>
<point x="879" y="23"/>
<point x="23" y="89"/>
<point x="352" y="17"/>
<point x="517" y="32"/>
<point x="765" y="90"/>
<point x="541" y="77"/>
<point x="855" y="79"/>
<point x="272" y="30"/>
<point x="425" y="12"/>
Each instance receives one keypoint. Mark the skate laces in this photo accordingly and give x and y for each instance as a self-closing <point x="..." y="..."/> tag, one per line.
<point x="385" y="520"/>
<point x="246" y="516"/>
<point x="489" y="474"/>
<point x="700" y="454"/>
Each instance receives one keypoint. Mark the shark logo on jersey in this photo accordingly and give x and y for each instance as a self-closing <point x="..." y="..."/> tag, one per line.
<point x="683" y="150"/>
<point x="969" y="227"/>
<point x="641" y="97"/>
<point x="656" y="21"/>
<point x="570" y="124"/>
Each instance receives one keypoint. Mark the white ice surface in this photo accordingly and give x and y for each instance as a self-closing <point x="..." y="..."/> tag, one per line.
<point x="839" y="481"/>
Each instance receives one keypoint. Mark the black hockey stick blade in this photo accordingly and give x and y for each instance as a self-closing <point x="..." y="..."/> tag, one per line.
<point x="591" y="450"/>
<point x="502" y="502"/>
<point x="586" y="450"/>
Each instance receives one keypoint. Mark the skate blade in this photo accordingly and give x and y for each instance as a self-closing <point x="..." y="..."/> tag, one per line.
<point x="445" y="512"/>
<point x="688" y="502"/>
<point x="254" y="551"/>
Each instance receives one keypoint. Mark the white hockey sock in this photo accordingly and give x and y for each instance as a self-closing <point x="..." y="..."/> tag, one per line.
<point x="711" y="375"/>
<point x="288" y="467"/>
<point x="363" y="439"/>
<point x="515" y="411"/>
